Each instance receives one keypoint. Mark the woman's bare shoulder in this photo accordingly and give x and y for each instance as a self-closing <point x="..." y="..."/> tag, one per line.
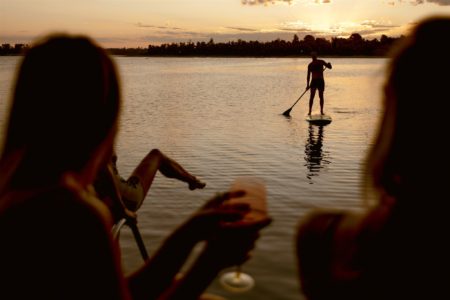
<point x="321" y="222"/>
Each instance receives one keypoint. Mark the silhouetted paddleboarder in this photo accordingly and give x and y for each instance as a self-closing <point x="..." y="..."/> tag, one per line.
<point x="315" y="80"/>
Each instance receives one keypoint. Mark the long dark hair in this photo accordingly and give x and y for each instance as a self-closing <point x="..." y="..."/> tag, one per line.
<point x="65" y="103"/>
<point x="410" y="151"/>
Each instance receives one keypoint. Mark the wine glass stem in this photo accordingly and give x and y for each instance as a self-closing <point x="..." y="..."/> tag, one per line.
<point x="238" y="271"/>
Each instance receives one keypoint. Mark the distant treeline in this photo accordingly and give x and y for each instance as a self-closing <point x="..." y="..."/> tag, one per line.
<point x="354" y="45"/>
<point x="17" y="49"/>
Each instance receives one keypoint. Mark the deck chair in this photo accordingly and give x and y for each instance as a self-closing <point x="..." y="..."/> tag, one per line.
<point x="107" y="189"/>
<point x="136" y="233"/>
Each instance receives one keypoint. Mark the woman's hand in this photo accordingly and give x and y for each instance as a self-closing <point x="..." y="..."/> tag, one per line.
<point x="233" y="242"/>
<point x="229" y="240"/>
<point x="208" y="220"/>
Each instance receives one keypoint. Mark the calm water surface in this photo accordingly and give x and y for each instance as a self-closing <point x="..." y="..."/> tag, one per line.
<point x="221" y="118"/>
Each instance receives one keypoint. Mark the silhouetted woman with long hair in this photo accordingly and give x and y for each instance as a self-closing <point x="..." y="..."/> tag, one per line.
<point x="397" y="248"/>
<point x="56" y="240"/>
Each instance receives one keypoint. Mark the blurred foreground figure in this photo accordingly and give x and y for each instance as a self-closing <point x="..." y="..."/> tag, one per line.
<point x="56" y="240"/>
<point x="397" y="248"/>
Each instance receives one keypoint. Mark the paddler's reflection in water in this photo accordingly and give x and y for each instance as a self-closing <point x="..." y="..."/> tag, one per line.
<point x="314" y="154"/>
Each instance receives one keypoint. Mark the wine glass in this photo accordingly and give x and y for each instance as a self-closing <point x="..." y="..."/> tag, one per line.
<point x="238" y="281"/>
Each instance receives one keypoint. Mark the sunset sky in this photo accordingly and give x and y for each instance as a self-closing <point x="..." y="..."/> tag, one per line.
<point x="133" y="23"/>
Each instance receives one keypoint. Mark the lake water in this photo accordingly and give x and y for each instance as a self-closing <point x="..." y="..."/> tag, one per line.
<point x="221" y="118"/>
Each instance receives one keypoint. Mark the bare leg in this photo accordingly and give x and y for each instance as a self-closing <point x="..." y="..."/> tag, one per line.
<point x="321" y="101"/>
<point x="156" y="160"/>
<point x="311" y="100"/>
<point x="134" y="190"/>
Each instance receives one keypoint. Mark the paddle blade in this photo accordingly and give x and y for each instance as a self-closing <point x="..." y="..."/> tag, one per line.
<point x="287" y="112"/>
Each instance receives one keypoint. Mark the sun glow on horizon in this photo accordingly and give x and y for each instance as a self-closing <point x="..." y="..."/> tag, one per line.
<point x="132" y="23"/>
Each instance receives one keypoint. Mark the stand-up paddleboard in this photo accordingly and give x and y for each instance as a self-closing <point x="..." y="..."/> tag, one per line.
<point x="319" y="119"/>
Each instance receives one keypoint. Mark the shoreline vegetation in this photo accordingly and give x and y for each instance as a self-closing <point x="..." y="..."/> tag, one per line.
<point x="353" y="46"/>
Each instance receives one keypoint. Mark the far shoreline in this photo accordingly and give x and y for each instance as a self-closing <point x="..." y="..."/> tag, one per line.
<point x="229" y="56"/>
<point x="252" y="56"/>
<point x="355" y="46"/>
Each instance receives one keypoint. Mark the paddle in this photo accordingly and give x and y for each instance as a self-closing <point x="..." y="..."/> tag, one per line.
<point x="287" y="112"/>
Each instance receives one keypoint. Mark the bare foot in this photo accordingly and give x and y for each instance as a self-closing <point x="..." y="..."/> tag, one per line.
<point x="196" y="184"/>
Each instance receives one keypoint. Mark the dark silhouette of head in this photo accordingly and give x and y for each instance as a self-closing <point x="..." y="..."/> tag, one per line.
<point x="314" y="55"/>
<point x="405" y="160"/>
<point x="65" y="105"/>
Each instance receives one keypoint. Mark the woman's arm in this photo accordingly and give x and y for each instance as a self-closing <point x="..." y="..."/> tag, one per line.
<point x="159" y="273"/>
<point x="229" y="247"/>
